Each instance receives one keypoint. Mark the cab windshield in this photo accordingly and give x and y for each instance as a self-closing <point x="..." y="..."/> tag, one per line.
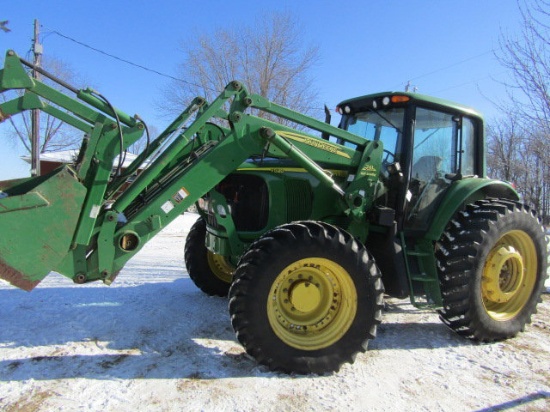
<point x="385" y="126"/>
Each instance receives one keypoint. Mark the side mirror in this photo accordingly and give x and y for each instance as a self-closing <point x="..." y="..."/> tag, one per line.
<point x="327" y="121"/>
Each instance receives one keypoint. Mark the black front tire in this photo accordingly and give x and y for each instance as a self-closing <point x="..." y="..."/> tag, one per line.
<point x="492" y="262"/>
<point x="211" y="273"/>
<point x="306" y="298"/>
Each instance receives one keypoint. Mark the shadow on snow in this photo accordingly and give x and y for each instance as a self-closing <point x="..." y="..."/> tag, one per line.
<point x="154" y="330"/>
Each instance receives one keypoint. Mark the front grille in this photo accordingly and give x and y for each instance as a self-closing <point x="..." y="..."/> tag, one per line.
<point x="298" y="199"/>
<point x="248" y="198"/>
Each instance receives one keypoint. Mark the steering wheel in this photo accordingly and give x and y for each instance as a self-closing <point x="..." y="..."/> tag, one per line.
<point x="386" y="159"/>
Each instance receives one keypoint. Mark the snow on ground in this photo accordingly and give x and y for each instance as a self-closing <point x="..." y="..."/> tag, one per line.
<point x="153" y="342"/>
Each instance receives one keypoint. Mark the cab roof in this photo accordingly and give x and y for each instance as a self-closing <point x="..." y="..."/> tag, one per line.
<point x="366" y="102"/>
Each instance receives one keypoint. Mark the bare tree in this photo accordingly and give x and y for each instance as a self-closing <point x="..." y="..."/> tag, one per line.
<point x="528" y="60"/>
<point x="514" y="156"/>
<point x="54" y="134"/>
<point x="4" y="26"/>
<point x="270" y="58"/>
<point x="141" y="144"/>
<point x="527" y="57"/>
<point x="506" y="140"/>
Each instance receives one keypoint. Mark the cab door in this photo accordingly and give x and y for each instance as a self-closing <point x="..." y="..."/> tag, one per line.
<point x="443" y="150"/>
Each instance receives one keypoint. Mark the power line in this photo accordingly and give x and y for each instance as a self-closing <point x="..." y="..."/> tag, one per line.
<point x="470" y="82"/>
<point x="452" y="65"/>
<point x="139" y="65"/>
<point x="123" y="60"/>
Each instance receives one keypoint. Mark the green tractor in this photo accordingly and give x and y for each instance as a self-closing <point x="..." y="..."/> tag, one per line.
<point x="306" y="228"/>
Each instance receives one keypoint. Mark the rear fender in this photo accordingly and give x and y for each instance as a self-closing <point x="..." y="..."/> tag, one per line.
<point x="463" y="192"/>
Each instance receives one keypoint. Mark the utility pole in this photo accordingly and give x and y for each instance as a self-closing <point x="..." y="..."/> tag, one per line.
<point x="408" y="87"/>
<point x="35" y="115"/>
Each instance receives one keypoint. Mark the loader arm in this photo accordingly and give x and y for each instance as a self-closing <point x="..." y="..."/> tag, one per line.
<point x="102" y="219"/>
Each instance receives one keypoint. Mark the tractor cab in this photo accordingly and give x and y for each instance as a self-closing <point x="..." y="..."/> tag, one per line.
<point x="428" y="144"/>
<point x="432" y="149"/>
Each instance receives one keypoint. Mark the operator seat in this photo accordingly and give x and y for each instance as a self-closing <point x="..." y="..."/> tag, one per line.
<point x="426" y="185"/>
<point x="426" y="168"/>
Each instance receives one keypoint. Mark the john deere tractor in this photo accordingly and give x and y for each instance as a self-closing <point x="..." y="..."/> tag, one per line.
<point x="306" y="227"/>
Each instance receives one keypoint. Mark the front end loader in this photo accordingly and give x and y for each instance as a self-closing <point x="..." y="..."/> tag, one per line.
<point x="304" y="227"/>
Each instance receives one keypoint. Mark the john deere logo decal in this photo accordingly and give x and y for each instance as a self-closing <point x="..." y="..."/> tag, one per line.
<point x="317" y="143"/>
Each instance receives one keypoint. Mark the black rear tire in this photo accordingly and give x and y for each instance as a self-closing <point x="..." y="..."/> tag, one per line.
<point x="211" y="273"/>
<point x="306" y="298"/>
<point x="492" y="263"/>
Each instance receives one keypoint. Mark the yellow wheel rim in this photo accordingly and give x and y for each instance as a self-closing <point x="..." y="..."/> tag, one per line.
<point x="220" y="266"/>
<point x="509" y="275"/>
<point x="312" y="303"/>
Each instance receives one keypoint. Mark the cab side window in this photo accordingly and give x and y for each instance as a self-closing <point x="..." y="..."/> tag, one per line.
<point x="468" y="147"/>
<point x="443" y="147"/>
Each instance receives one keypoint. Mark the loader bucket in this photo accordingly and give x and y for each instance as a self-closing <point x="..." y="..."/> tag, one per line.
<point x="38" y="217"/>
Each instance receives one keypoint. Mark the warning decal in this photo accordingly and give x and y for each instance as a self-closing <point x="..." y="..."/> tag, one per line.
<point x="180" y="195"/>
